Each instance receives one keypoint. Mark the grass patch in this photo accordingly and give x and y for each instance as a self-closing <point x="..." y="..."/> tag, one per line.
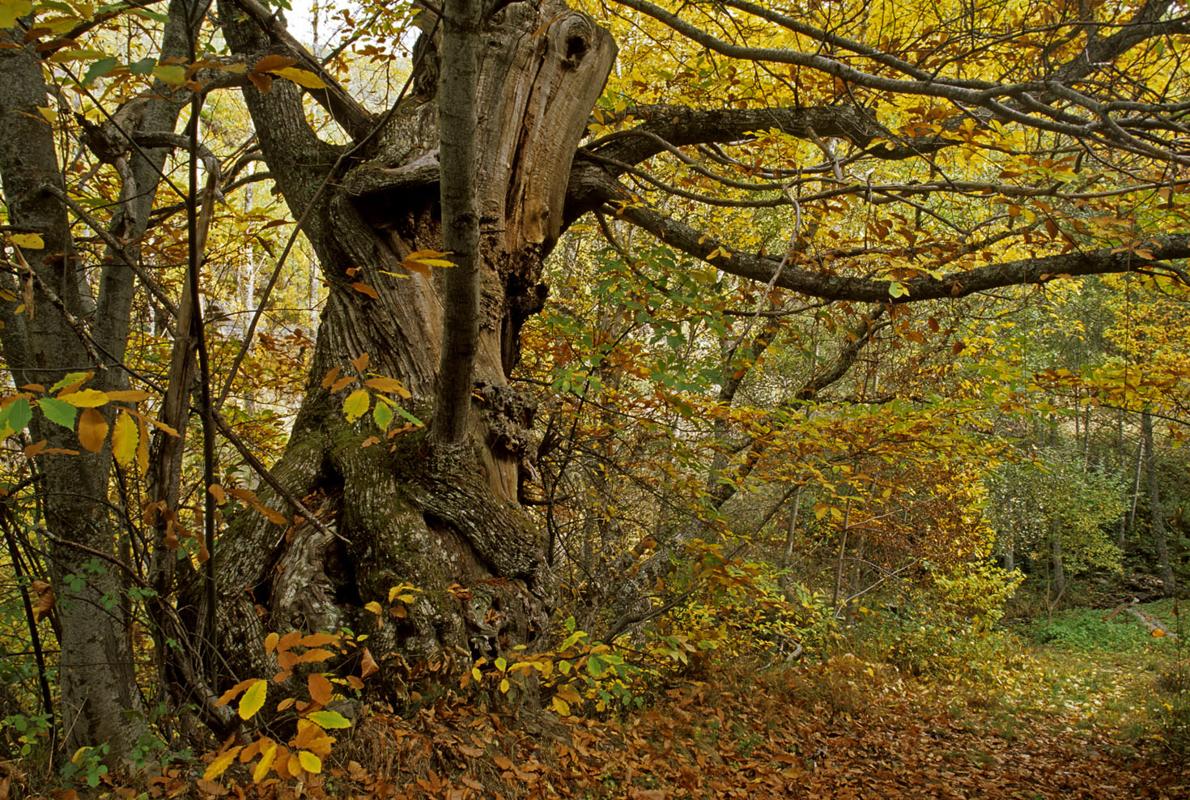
<point x="1087" y="630"/>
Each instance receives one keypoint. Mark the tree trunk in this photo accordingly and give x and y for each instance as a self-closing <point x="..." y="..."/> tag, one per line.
<point x="446" y="519"/>
<point x="1057" y="565"/>
<point x="67" y="330"/>
<point x="1156" y="512"/>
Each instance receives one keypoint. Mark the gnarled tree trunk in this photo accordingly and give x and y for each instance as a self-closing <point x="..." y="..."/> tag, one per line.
<point x="404" y="510"/>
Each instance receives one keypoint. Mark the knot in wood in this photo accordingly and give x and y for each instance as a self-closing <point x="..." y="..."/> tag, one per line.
<point x="573" y="38"/>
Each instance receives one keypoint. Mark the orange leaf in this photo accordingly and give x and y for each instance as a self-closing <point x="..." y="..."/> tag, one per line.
<point x="364" y="288"/>
<point x="315" y="655"/>
<point x="367" y="664"/>
<point x="289" y="640"/>
<point x="272" y="62"/>
<point x="320" y="688"/>
<point x="318" y="640"/>
<point x="92" y="430"/>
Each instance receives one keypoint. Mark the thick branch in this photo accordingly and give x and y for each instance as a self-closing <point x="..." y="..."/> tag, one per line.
<point x="1151" y="253"/>
<point x="344" y="108"/>
<point x="679" y="125"/>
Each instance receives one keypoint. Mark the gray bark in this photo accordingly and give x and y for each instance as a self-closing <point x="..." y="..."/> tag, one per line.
<point x="67" y="332"/>
<point x="98" y="699"/>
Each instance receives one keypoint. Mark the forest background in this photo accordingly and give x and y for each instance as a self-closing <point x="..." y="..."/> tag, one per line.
<point x="549" y="358"/>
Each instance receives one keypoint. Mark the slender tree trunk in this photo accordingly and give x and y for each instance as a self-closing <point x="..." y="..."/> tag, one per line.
<point x="66" y="331"/>
<point x="1057" y="565"/>
<point x="95" y="667"/>
<point x="1156" y="511"/>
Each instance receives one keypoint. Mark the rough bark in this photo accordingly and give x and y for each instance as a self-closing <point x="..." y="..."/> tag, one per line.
<point x="404" y="510"/>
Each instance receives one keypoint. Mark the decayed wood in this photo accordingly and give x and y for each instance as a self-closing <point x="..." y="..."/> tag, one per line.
<point x="401" y="516"/>
<point x="1147" y="620"/>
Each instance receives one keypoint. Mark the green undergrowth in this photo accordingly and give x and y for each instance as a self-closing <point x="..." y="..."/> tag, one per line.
<point x="1099" y="631"/>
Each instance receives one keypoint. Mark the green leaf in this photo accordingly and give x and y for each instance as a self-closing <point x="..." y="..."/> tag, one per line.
<point x="58" y="412"/>
<point x="382" y="414"/>
<point x="897" y="289"/>
<point x="15" y="416"/>
<point x="409" y="416"/>
<point x="98" y="69"/>
<point x="356" y="404"/>
<point x="69" y="379"/>
<point x="329" y="719"/>
<point x="142" y="67"/>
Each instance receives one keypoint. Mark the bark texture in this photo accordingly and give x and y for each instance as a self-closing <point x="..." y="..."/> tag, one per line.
<point x="404" y="510"/>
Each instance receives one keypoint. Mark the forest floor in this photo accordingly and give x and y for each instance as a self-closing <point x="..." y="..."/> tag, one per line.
<point x="1071" y="709"/>
<point x="1071" y="716"/>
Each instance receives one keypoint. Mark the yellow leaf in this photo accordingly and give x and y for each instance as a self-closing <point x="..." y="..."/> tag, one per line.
<point x="302" y="77"/>
<point x="374" y="607"/>
<point x="51" y="116"/>
<point x="356" y="404"/>
<point x="85" y="398"/>
<point x="28" y="241"/>
<point x="220" y="764"/>
<point x="330" y="720"/>
<point x="1158" y="633"/>
<point x="390" y="385"/>
<point x="231" y="693"/>
<point x="172" y="74"/>
<point x="92" y="430"/>
<point x="217" y="492"/>
<point x="124" y="439"/>
<point x="253" y="699"/>
<point x="560" y="707"/>
<point x="127" y="395"/>
<point x="270" y="642"/>
<point x="266" y="761"/>
<point x="310" y="762"/>
<point x="505" y="686"/>
<point x="430" y="258"/>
